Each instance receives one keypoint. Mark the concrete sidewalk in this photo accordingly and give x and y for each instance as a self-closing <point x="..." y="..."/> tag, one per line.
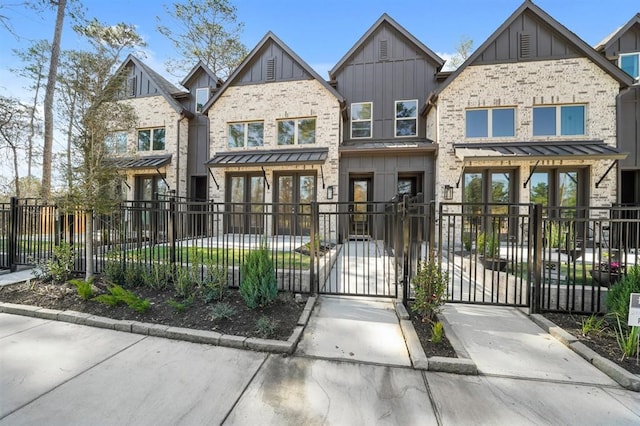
<point x="58" y="373"/>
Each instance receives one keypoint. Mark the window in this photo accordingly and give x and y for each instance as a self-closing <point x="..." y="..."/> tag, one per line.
<point x="406" y="118"/>
<point x="151" y="139"/>
<point x="564" y="120"/>
<point x="116" y="142"/>
<point x="202" y="96"/>
<point x="301" y="131"/>
<point x="494" y="122"/>
<point x="361" y="114"/>
<point x="630" y="63"/>
<point x="246" y="134"/>
<point x="560" y="190"/>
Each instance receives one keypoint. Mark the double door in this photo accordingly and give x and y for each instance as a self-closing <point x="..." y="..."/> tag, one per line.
<point x="294" y="194"/>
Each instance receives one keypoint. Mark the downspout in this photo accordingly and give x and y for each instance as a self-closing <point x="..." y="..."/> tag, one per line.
<point x="618" y="127"/>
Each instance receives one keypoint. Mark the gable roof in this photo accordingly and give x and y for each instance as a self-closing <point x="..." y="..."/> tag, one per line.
<point x="269" y="37"/>
<point x="386" y="19"/>
<point x="611" y="38"/>
<point x="580" y="45"/>
<point x="200" y="66"/>
<point x="167" y="89"/>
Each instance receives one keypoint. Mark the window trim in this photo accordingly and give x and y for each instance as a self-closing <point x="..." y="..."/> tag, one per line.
<point x="490" y="110"/>
<point x="207" y="96"/>
<point x="296" y="130"/>
<point x="152" y="131"/>
<point x="245" y="134"/>
<point x="369" y="120"/>
<point x="558" y="117"/>
<point x="396" y="119"/>
<point x="637" y="55"/>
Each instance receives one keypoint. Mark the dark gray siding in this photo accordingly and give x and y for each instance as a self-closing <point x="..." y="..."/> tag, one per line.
<point x="144" y="86"/>
<point x="626" y="43"/>
<point x="284" y="67"/>
<point x="526" y="39"/>
<point x="629" y="127"/>
<point x="406" y="73"/>
<point x="198" y="152"/>
<point x="385" y="169"/>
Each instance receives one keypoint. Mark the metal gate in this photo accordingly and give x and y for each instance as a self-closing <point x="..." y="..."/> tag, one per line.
<point x="365" y="259"/>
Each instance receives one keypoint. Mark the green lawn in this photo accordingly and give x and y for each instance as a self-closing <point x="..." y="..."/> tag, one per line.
<point x="282" y="259"/>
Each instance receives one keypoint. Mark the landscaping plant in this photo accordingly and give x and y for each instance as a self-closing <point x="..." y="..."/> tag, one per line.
<point x="213" y="282"/>
<point x="593" y="324"/>
<point x="58" y="268"/>
<point x="627" y="338"/>
<point x="266" y="327"/>
<point x="118" y="295"/>
<point x="85" y="288"/>
<point x="223" y="310"/>
<point x="618" y="296"/>
<point x="180" y="306"/>
<point x="430" y="286"/>
<point x="437" y="332"/>
<point x="258" y="286"/>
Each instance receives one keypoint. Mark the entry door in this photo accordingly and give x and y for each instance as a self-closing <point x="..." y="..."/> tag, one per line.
<point x="295" y="192"/>
<point x="360" y="197"/>
<point x="245" y="197"/>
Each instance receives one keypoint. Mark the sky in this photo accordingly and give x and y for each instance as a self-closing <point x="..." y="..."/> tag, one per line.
<point x="319" y="31"/>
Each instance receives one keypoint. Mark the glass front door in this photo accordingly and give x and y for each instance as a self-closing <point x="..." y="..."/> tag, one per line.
<point x="360" y="196"/>
<point x="295" y="192"/>
<point x="245" y="198"/>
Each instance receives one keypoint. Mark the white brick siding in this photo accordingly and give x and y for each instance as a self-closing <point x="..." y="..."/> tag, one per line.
<point x="523" y="86"/>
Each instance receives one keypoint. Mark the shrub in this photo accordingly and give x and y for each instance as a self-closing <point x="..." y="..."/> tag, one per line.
<point x="58" y="268"/>
<point x="223" y="310"/>
<point x="618" y="295"/>
<point x="85" y="288"/>
<point x="157" y="275"/>
<point x="184" y="282"/>
<point x="259" y="286"/>
<point x="437" y="331"/>
<point x="115" y="270"/>
<point x="118" y="295"/>
<point x="134" y="275"/>
<point x="488" y="246"/>
<point x="266" y="327"/>
<point x="430" y="286"/>
<point x="213" y="283"/>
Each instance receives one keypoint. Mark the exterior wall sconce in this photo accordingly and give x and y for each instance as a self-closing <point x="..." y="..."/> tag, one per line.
<point x="448" y="192"/>
<point x="330" y="192"/>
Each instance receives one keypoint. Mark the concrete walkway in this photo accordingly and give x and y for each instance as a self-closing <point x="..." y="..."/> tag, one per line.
<point x="58" y="373"/>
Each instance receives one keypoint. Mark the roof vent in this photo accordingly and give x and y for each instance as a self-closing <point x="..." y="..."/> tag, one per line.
<point x="271" y="69"/>
<point x="384" y="50"/>
<point x="525" y="46"/>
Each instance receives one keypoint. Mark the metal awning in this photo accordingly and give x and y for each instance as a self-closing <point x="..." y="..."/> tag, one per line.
<point x="565" y="150"/>
<point x="148" y="162"/>
<point x="269" y="158"/>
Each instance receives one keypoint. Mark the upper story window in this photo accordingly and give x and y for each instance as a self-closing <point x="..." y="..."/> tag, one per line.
<point x="202" y="96"/>
<point x="361" y="114"/>
<point x="490" y="122"/>
<point x="301" y="131"/>
<point x="559" y="120"/>
<point x="116" y="142"/>
<point x="247" y="134"/>
<point x="407" y="118"/>
<point x="151" y="139"/>
<point x="630" y="63"/>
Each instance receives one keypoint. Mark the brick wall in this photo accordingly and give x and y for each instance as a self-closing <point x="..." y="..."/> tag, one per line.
<point x="524" y="85"/>
<point x="270" y="102"/>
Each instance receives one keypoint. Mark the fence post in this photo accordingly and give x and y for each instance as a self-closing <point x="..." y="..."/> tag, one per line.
<point x="314" y="283"/>
<point x="431" y="232"/>
<point x="536" y="232"/>
<point x="172" y="230"/>
<point x="405" y="251"/>
<point x="13" y="235"/>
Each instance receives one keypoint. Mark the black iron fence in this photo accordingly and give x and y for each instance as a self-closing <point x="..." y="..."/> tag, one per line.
<point x="552" y="259"/>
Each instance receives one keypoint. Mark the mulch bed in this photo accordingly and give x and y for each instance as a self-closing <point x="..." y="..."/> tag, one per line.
<point x="423" y="329"/>
<point x="603" y="342"/>
<point x="285" y="311"/>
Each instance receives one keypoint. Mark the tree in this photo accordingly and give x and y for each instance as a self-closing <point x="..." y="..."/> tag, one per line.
<point x="34" y="59"/>
<point x="13" y="125"/>
<point x="463" y="51"/>
<point x="47" y="151"/>
<point x="205" y="30"/>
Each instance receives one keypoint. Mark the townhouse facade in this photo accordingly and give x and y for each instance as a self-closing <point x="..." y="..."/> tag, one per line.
<point x="533" y="115"/>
